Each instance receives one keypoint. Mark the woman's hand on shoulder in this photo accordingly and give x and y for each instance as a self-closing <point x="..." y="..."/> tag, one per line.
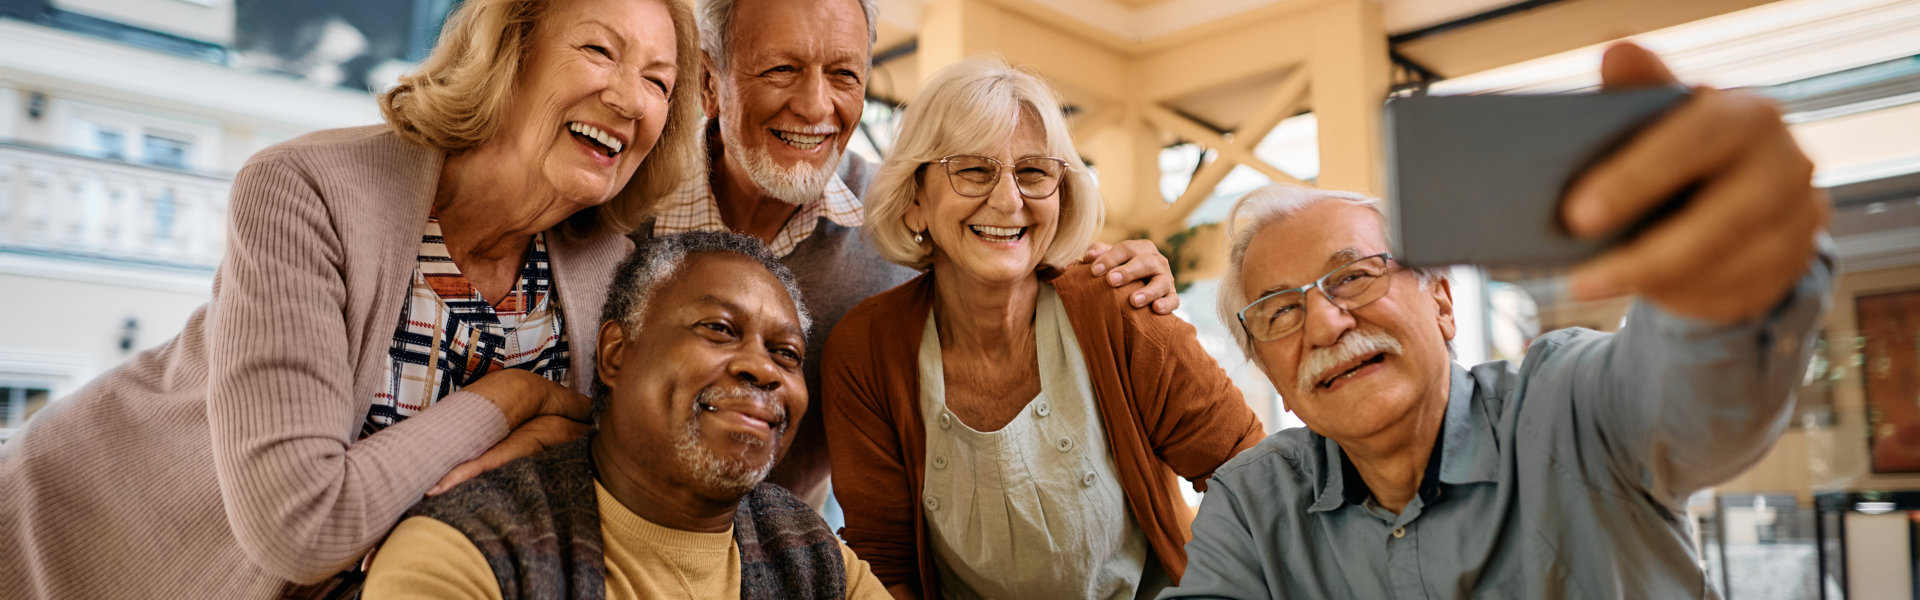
<point x="522" y="395"/>
<point x="530" y="438"/>
<point x="541" y="413"/>
<point x="1136" y="260"/>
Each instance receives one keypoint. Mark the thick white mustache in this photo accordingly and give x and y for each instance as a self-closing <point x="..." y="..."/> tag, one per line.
<point x="1356" y="344"/>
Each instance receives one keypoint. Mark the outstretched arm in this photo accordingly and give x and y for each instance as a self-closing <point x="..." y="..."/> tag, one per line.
<point x="1699" y="382"/>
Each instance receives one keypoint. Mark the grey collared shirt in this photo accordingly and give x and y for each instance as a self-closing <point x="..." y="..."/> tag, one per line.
<point x="1563" y="477"/>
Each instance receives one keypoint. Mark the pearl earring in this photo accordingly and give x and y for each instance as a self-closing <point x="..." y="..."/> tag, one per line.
<point x="919" y="237"/>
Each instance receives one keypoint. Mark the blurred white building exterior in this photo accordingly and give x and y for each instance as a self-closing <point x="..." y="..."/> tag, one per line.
<point x="121" y="124"/>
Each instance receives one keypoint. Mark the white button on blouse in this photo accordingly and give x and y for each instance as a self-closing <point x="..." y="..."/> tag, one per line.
<point x="1035" y="509"/>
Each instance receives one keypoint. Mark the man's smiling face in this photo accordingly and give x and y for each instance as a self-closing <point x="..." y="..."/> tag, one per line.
<point x="1329" y="375"/>
<point x="789" y="96"/>
<point x="706" y="389"/>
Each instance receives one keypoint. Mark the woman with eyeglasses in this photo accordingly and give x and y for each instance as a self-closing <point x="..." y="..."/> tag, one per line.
<point x="998" y="426"/>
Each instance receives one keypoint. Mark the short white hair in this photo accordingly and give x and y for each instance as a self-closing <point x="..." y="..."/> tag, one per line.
<point x="967" y="108"/>
<point x="716" y="28"/>
<point x="1267" y="206"/>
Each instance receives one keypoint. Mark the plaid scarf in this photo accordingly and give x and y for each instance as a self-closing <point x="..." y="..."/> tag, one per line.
<point x="537" y="522"/>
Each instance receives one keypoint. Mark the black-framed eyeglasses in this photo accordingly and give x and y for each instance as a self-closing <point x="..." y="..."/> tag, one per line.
<point x="975" y="176"/>
<point x="1352" y="286"/>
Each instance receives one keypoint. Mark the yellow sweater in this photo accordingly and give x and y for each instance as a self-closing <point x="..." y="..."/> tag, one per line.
<point x="425" y="558"/>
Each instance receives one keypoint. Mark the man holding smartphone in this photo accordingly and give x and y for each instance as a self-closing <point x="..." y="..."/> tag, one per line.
<point x="1564" y="476"/>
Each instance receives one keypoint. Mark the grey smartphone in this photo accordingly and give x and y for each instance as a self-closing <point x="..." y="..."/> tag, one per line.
<point x="1479" y="179"/>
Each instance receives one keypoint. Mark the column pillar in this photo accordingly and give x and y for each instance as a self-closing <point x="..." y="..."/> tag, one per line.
<point x="1350" y="75"/>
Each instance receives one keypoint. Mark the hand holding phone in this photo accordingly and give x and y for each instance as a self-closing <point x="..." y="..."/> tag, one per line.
<point x="1729" y="252"/>
<point x="1478" y="179"/>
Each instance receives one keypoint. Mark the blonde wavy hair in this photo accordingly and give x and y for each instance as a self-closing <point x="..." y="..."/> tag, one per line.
<point x="967" y="108"/>
<point x="460" y="95"/>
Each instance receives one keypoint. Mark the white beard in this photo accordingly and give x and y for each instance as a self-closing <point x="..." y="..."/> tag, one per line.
<point x="798" y="185"/>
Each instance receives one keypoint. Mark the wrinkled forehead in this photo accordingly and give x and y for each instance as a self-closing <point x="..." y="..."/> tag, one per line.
<point x="1300" y="248"/>
<point x="824" y="30"/>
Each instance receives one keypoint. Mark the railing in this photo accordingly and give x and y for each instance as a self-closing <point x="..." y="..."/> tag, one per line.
<point x="64" y="204"/>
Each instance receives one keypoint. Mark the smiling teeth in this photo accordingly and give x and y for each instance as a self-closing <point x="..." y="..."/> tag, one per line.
<point x="997" y="231"/>
<point x="598" y="135"/>
<point x="800" y="140"/>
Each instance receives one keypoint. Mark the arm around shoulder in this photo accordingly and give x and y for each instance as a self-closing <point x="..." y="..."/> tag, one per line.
<point x="305" y="498"/>
<point x="1196" y="418"/>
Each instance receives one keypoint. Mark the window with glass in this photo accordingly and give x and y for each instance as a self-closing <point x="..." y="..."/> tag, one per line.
<point x="165" y="151"/>
<point x="18" y="402"/>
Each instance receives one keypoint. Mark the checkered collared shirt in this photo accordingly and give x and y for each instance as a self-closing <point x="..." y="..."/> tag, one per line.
<point x="693" y="208"/>
<point x="449" y="337"/>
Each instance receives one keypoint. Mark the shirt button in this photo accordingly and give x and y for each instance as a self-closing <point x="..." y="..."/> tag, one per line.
<point x="1042" y="409"/>
<point x="933" y="503"/>
<point x="946" y="420"/>
<point x="1087" y="481"/>
<point x="1398" y="532"/>
<point x="1064" y="445"/>
<point x="939" y="462"/>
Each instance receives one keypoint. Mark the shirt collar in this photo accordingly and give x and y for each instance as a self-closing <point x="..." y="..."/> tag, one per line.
<point x="1464" y="452"/>
<point x="692" y="207"/>
<point x="1472" y="451"/>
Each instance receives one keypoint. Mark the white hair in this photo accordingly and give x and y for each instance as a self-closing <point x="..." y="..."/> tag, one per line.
<point x="966" y="108"/>
<point x="716" y="28"/>
<point x="1264" y="207"/>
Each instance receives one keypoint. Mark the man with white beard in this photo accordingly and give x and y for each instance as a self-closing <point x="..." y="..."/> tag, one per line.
<point x="784" y="88"/>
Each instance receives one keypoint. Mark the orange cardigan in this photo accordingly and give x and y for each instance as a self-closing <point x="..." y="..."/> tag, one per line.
<point x="1167" y="408"/>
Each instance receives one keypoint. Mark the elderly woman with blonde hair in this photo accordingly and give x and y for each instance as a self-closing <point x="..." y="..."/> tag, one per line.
<point x="400" y="307"/>
<point x="999" y="427"/>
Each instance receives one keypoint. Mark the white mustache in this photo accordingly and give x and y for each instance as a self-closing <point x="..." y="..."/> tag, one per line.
<point x="1356" y="344"/>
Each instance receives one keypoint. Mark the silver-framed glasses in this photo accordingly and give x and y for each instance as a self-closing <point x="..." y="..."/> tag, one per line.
<point x="1356" y="284"/>
<point x="974" y="176"/>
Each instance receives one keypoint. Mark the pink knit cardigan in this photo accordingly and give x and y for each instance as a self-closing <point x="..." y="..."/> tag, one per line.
<point x="227" y="463"/>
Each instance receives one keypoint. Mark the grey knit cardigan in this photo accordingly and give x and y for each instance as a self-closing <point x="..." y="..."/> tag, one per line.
<point x="537" y="522"/>
<point x="226" y="463"/>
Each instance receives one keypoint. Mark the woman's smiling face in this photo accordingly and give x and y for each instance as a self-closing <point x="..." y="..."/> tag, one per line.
<point x="999" y="237"/>
<point x="592" y="96"/>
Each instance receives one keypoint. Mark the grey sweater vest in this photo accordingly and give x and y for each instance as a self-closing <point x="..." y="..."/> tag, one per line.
<point x="537" y="522"/>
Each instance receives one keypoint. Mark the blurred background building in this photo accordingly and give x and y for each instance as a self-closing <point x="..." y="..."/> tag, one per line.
<point x="122" y="122"/>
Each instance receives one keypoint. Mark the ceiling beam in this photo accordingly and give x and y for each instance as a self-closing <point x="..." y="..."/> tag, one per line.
<point x="1553" y="28"/>
<point x="1287" y="99"/>
<point x="1224" y="59"/>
